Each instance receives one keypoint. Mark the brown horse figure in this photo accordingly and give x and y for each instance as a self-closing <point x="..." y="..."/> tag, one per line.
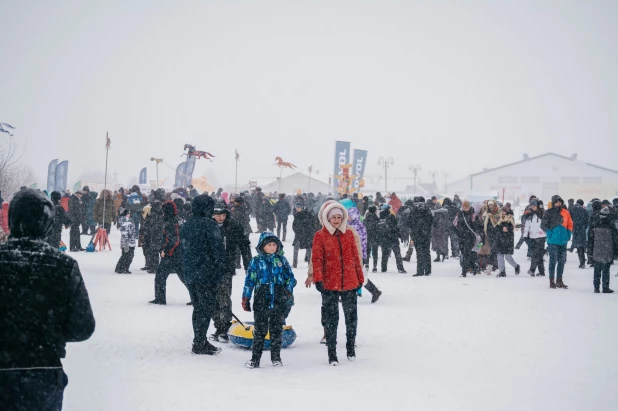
<point x="196" y="153"/>
<point x="280" y="163"/>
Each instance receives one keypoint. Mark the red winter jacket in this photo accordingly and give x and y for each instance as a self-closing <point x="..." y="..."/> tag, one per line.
<point x="335" y="260"/>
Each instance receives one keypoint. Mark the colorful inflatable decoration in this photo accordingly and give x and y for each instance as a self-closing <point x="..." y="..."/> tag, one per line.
<point x="244" y="338"/>
<point x="196" y="153"/>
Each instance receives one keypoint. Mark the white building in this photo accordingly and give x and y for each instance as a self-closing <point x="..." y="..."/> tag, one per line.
<point x="544" y="176"/>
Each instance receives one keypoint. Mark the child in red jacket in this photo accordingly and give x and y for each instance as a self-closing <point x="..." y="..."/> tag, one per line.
<point x="337" y="273"/>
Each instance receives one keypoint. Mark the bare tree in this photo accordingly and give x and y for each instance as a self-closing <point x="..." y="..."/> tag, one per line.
<point x="13" y="174"/>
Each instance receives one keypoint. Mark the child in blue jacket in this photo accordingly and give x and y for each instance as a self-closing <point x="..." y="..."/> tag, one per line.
<point x="272" y="278"/>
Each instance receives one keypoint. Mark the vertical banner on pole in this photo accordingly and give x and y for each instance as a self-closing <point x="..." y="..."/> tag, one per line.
<point x="342" y="156"/>
<point x="143" y="176"/>
<point x="62" y="171"/>
<point x="180" y="175"/>
<point x="189" y="170"/>
<point x="358" y="166"/>
<point x="51" y="175"/>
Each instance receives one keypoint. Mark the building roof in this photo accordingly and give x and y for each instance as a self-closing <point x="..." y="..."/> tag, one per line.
<point x="537" y="157"/>
<point x="296" y="181"/>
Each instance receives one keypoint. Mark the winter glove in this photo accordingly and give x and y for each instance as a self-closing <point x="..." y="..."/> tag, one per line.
<point x="246" y="304"/>
<point x="319" y="286"/>
<point x="290" y="300"/>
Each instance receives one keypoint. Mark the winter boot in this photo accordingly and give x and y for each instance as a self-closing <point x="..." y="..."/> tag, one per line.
<point x="582" y="266"/>
<point x="437" y="260"/>
<point x="252" y="364"/>
<point x="417" y="275"/>
<point x="531" y="273"/>
<point x="351" y="352"/>
<point x="552" y="284"/>
<point x="332" y="356"/>
<point x="517" y="269"/>
<point x="502" y="274"/>
<point x="402" y="271"/>
<point x="375" y="293"/>
<point x="463" y="273"/>
<point x="607" y="291"/>
<point x="374" y="270"/>
<point x="275" y="357"/>
<point x="560" y="284"/>
<point x="596" y="290"/>
<point x="323" y="340"/>
<point x="157" y="302"/>
<point x="295" y="264"/>
<point x="205" y="349"/>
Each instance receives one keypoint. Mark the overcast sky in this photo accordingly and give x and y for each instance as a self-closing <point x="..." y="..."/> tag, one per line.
<point x="452" y="85"/>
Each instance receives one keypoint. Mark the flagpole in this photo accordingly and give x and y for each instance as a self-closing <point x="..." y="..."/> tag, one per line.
<point x="105" y="182"/>
<point x="236" y="176"/>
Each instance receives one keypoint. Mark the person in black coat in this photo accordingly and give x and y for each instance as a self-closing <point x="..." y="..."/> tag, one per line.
<point x="282" y="211"/>
<point x="371" y="224"/>
<point x="388" y="238"/>
<point x="421" y="221"/>
<point x="265" y="215"/>
<point x="205" y="263"/>
<point x="236" y="243"/>
<point x="504" y="241"/>
<point x="601" y="240"/>
<point x="580" y="218"/>
<point x="242" y="214"/>
<point x="468" y="227"/>
<point x="151" y="234"/>
<point x="403" y="219"/>
<point x="44" y="305"/>
<point x="171" y="257"/>
<point x="304" y="226"/>
<point x="61" y="219"/>
<point x="453" y="210"/>
<point x="76" y="214"/>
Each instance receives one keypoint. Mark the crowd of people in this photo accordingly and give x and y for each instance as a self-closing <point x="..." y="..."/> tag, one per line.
<point x="204" y="238"/>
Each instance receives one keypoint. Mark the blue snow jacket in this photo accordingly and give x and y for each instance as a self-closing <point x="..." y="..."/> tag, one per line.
<point x="271" y="274"/>
<point x="201" y="243"/>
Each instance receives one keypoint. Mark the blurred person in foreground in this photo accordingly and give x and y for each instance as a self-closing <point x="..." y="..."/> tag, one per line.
<point x="44" y="305"/>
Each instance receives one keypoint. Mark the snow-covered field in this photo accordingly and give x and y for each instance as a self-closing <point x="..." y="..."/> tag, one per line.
<point x="430" y="343"/>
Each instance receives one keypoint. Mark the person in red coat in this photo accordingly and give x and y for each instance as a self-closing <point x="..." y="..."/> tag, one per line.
<point x="337" y="273"/>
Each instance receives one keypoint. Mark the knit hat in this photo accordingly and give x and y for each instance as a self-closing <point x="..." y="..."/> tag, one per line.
<point x="334" y="212"/>
<point x="298" y="205"/>
<point x="556" y="198"/>
<point x="534" y="202"/>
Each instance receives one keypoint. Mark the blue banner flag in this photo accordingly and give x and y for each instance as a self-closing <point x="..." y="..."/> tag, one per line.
<point x="62" y="172"/>
<point x="342" y="156"/>
<point x="51" y="175"/>
<point x="143" y="176"/>
<point x="189" y="170"/>
<point x="358" y="166"/>
<point x="180" y="175"/>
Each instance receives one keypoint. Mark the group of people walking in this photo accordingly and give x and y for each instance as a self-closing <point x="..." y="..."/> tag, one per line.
<point x="204" y="239"/>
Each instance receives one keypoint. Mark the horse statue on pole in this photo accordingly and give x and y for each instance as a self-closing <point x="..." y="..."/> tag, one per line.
<point x="196" y="153"/>
<point x="283" y="164"/>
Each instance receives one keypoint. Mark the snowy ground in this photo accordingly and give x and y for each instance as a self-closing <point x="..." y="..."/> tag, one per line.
<point x="431" y="343"/>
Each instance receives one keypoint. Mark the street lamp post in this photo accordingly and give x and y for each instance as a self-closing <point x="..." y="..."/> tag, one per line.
<point x="445" y="177"/>
<point x="386" y="163"/>
<point x="157" y="161"/>
<point x="415" y="168"/>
